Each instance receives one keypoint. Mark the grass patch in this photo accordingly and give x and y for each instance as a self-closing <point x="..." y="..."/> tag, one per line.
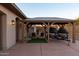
<point x="37" y="40"/>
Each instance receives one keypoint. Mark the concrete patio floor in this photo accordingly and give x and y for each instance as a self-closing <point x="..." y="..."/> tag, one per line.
<point x="53" y="48"/>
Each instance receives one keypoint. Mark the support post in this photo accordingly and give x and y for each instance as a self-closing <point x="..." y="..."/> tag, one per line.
<point x="73" y="33"/>
<point x="48" y="31"/>
<point x="44" y="29"/>
<point x="22" y="32"/>
<point x="27" y="29"/>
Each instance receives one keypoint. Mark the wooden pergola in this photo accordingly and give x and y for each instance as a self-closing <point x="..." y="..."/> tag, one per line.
<point x="47" y="21"/>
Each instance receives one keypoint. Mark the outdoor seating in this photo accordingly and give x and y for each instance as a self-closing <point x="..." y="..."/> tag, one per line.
<point x="42" y="35"/>
<point x="33" y="35"/>
<point x="61" y="34"/>
<point x="53" y="32"/>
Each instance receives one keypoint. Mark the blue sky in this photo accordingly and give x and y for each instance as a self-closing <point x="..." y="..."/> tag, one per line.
<point x="64" y="10"/>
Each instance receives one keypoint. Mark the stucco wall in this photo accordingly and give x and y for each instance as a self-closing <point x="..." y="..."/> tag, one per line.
<point x="10" y="29"/>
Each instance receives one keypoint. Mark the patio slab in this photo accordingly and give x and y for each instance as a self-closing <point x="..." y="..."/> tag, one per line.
<point x="53" y="48"/>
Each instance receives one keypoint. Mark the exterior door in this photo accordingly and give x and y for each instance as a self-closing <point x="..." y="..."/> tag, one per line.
<point x="0" y="33"/>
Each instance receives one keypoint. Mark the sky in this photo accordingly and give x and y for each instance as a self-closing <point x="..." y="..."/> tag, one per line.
<point x="64" y="10"/>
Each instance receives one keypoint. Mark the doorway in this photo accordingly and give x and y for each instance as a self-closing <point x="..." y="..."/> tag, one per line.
<point x="19" y="31"/>
<point x="2" y="31"/>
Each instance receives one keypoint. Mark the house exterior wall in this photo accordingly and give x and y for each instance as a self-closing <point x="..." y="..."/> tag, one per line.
<point x="10" y="32"/>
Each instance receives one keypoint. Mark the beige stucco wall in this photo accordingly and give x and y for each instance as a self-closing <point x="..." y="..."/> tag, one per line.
<point x="10" y="29"/>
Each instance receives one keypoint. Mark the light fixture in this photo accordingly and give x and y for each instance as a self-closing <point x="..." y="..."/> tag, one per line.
<point x="13" y="22"/>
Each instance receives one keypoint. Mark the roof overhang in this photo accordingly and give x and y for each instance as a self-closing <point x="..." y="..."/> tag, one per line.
<point x="54" y="20"/>
<point x="13" y="8"/>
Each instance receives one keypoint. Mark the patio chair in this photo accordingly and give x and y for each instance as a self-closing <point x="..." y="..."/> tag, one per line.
<point x="52" y="32"/>
<point x="33" y="35"/>
<point x="42" y="35"/>
<point x="62" y="34"/>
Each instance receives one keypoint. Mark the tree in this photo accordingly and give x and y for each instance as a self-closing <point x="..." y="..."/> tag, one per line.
<point x="77" y="20"/>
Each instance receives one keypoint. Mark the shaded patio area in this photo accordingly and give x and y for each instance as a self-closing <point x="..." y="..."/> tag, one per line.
<point x="42" y="25"/>
<point x="53" y="48"/>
